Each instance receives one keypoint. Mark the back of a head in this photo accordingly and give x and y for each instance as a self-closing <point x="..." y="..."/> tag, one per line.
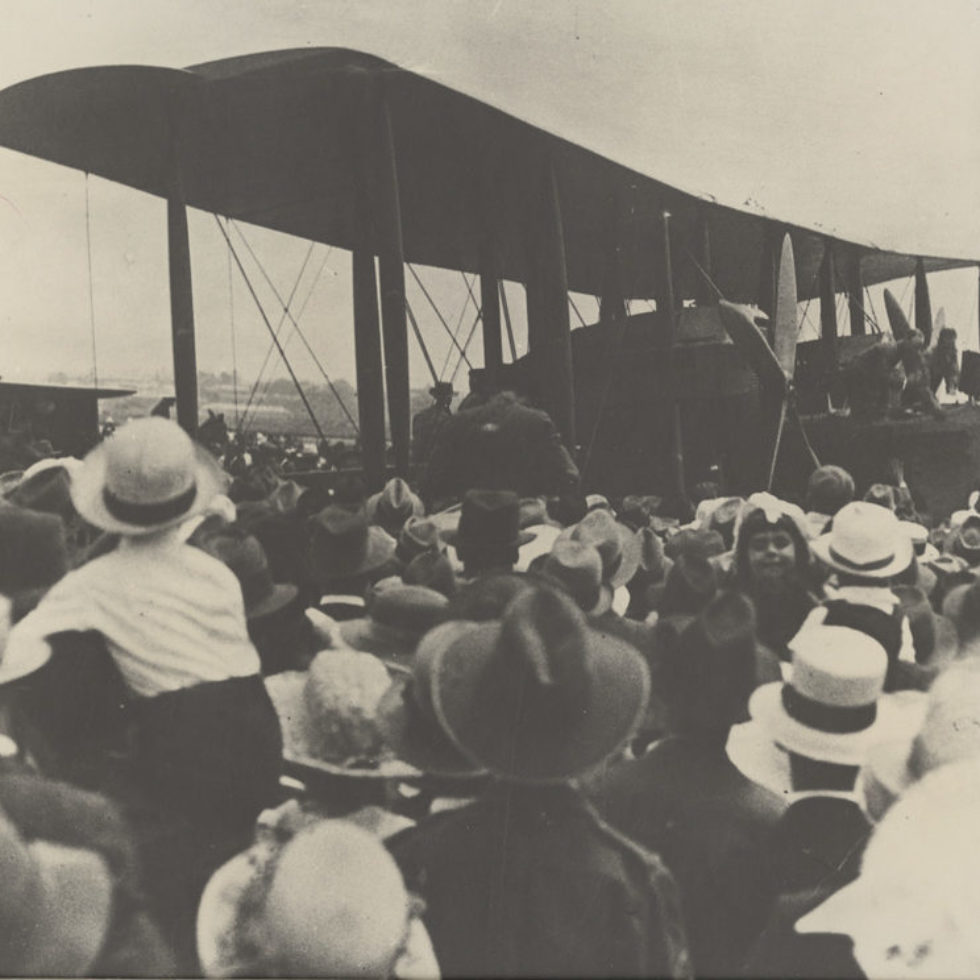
<point x="829" y="489"/>
<point x="337" y="905"/>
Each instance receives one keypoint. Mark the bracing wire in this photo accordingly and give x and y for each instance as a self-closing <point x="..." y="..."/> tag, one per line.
<point x="510" y="327"/>
<point x="234" y="350"/>
<point x="459" y="324"/>
<point x="581" y="319"/>
<point x="299" y="315"/>
<point x="91" y="287"/>
<point x="299" y="333"/>
<point x="437" y="311"/>
<point x="469" y="337"/>
<point x="268" y="325"/>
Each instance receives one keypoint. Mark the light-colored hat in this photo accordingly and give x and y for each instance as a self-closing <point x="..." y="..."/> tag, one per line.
<point x="325" y="901"/>
<point x="830" y="710"/>
<point x="393" y="506"/>
<point x="55" y="907"/>
<point x="912" y="910"/>
<point x="950" y="733"/>
<point x="865" y="540"/>
<point x="149" y="475"/>
<point x="577" y="568"/>
<point x="617" y="545"/>
<point x="545" y="535"/>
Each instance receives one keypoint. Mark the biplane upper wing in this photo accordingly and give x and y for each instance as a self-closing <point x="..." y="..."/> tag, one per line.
<point x="280" y="140"/>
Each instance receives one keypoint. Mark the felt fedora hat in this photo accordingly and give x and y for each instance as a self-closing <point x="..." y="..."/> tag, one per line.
<point x="576" y="568"/>
<point x="690" y="585"/>
<point x="434" y="570"/>
<point x="865" y="540"/>
<point x="393" y="506"/>
<point x="343" y="544"/>
<point x="710" y="544"/>
<point x="406" y="714"/>
<point x="397" y="618"/>
<point x="618" y="545"/>
<point x="538" y="696"/>
<point x="489" y="519"/>
<point x="147" y="476"/>
<point x="831" y="709"/>
<point x="966" y="541"/>
<point x="417" y="536"/>
<point x="244" y="555"/>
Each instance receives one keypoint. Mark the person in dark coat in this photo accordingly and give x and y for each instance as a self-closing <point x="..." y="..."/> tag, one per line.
<point x="503" y="444"/>
<point x="687" y="802"/>
<point x="528" y="880"/>
<point x="825" y="718"/>
<point x="428" y="423"/>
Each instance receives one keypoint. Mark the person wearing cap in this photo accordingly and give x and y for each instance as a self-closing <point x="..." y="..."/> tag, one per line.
<point x="488" y="537"/>
<point x="685" y="800"/>
<point x="866" y="549"/>
<point x="808" y="737"/>
<point x="771" y="566"/>
<point x="428" y="423"/>
<point x="527" y="880"/>
<point x="503" y="444"/>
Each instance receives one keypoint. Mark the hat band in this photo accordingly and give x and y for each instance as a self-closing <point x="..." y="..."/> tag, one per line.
<point x="146" y="515"/>
<point x="833" y="719"/>
<point x="860" y="566"/>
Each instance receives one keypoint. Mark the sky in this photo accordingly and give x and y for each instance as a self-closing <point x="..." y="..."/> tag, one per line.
<point x="854" y="117"/>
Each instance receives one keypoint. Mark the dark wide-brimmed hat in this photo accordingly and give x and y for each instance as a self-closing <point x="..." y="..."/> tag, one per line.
<point x="539" y="696"/>
<point x="343" y="544"/>
<point x="690" y="585"/>
<point x="398" y="616"/>
<point x="618" y="545"/>
<point x="709" y="544"/>
<point x="434" y="570"/>
<point x="489" y="520"/>
<point x="393" y="506"/>
<point x="149" y="475"/>
<point x="442" y="389"/>
<point x="406" y="714"/>
<point x="244" y="555"/>
<point x="966" y="541"/>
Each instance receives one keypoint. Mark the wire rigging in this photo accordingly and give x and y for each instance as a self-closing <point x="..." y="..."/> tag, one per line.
<point x="265" y="320"/>
<point x="299" y="332"/>
<point x="91" y="287"/>
<point x="438" y="313"/>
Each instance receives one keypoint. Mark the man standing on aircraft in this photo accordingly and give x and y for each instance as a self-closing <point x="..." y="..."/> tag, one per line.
<point x="429" y="422"/>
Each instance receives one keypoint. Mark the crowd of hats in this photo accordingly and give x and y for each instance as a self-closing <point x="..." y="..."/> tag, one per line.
<point x="490" y="641"/>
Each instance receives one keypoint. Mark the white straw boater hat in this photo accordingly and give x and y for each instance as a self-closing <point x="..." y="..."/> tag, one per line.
<point x="149" y="475"/>
<point x="865" y="540"/>
<point x="831" y="708"/>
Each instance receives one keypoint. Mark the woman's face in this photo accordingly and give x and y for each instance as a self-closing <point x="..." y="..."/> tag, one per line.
<point x="771" y="555"/>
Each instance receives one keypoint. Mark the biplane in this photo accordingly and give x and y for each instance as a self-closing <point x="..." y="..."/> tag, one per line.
<point x="341" y="147"/>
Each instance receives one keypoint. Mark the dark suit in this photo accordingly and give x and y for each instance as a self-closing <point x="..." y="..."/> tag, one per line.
<point x="500" y="445"/>
<point x="528" y="882"/>
<point x="711" y="825"/>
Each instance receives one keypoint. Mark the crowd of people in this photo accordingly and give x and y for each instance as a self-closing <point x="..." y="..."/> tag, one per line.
<point x="481" y="723"/>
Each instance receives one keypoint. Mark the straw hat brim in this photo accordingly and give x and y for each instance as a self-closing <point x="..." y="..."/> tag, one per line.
<point x="845" y="749"/>
<point x="30" y="658"/>
<point x="884" y="777"/>
<point x="431" y="752"/>
<point x="89" y="480"/>
<point x="900" y="560"/>
<point x="619" y="693"/>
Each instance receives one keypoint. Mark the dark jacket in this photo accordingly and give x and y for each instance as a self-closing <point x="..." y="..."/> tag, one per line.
<point x="688" y="803"/>
<point x="528" y="881"/>
<point x="500" y="445"/>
